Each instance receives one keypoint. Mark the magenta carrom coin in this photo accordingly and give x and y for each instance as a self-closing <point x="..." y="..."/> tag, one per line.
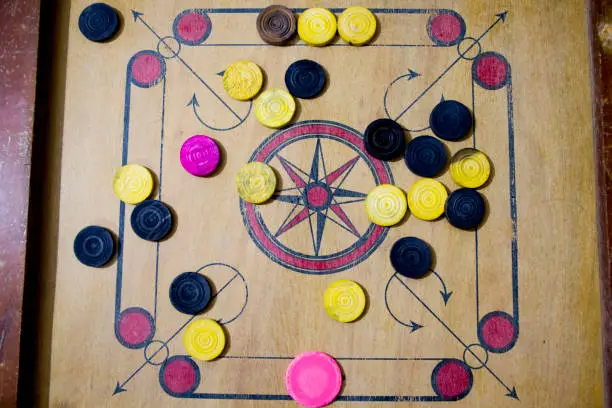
<point x="200" y="155"/>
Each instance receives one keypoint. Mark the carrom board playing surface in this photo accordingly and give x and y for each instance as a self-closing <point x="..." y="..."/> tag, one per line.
<point x="509" y="316"/>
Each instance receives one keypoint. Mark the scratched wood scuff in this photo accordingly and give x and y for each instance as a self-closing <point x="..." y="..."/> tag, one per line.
<point x="481" y="278"/>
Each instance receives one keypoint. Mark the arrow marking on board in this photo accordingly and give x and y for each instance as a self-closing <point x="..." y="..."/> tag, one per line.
<point x="500" y="17"/>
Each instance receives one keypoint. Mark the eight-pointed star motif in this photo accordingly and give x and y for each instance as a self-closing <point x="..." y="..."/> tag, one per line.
<point x="316" y="192"/>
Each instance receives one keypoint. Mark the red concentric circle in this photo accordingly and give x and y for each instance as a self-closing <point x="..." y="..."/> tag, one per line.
<point x="295" y="260"/>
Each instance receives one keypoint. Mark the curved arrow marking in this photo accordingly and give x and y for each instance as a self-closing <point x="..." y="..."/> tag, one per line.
<point x="500" y="17"/>
<point x="413" y="326"/>
<point x="120" y="386"/>
<point x="445" y="293"/>
<point x="139" y="17"/>
<point x="194" y="102"/>
<point x="410" y="75"/>
<point x="511" y="391"/>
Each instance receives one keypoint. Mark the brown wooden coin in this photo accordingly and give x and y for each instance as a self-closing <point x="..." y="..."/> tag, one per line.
<point x="276" y="24"/>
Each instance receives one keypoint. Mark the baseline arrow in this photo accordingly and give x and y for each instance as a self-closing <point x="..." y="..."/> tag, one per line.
<point x="445" y="293"/>
<point x="500" y="17"/>
<point x="194" y="102"/>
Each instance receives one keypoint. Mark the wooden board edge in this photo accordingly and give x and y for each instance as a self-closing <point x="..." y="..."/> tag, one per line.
<point x="43" y="213"/>
<point x="600" y="36"/>
<point x="18" y="58"/>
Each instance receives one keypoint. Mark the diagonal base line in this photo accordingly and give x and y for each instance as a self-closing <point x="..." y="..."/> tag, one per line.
<point x="448" y="69"/>
<point x="192" y="71"/>
<point x="174" y="335"/>
<point x="453" y="333"/>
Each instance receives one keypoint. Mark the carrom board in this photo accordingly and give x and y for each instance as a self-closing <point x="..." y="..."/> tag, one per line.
<point x="509" y="316"/>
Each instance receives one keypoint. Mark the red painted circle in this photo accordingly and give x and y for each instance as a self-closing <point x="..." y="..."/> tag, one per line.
<point x="135" y="327"/>
<point x="497" y="332"/>
<point x="491" y="71"/>
<point x="317" y="196"/>
<point x="445" y="28"/>
<point x="452" y="379"/>
<point x="192" y="27"/>
<point x="179" y="376"/>
<point x="146" y="68"/>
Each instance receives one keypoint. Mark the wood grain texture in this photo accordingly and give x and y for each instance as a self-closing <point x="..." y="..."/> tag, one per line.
<point x="556" y="361"/>
<point x="18" y="47"/>
<point x="601" y="48"/>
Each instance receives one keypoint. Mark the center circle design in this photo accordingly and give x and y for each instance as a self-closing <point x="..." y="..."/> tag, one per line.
<point x="316" y="198"/>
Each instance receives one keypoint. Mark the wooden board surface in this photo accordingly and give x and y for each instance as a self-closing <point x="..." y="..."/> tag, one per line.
<point x="536" y="129"/>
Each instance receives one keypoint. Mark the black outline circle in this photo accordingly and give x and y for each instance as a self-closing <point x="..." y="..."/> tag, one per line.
<point x="463" y="54"/>
<point x="149" y="359"/>
<point x="467" y="349"/>
<point x="246" y="287"/>
<point x="163" y="41"/>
